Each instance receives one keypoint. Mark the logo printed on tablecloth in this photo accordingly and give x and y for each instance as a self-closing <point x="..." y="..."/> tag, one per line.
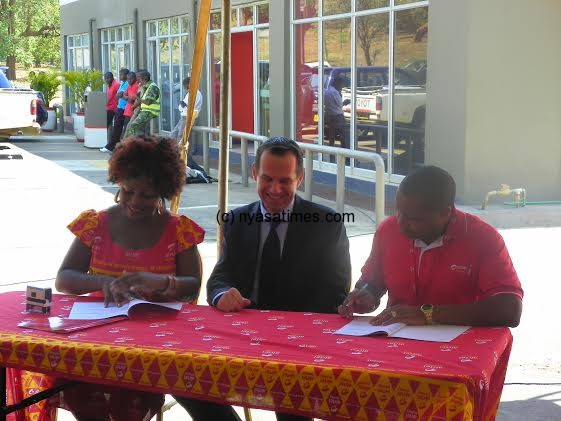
<point x="448" y="348"/>
<point x="410" y="355"/>
<point x="319" y="358"/>
<point x="210" y="337"/>
<point x="247" y="332"/>
<point x="468" y="358"/>
<point x="164" y="333"/>
<point x="432" y="367"/>
<point x="284" y="327"/>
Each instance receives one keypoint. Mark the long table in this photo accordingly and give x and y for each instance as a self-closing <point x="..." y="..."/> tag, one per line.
<point x="271" y="360"/>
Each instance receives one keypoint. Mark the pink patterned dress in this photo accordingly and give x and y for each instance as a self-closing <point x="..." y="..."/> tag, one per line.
<point x="108" y="258"/>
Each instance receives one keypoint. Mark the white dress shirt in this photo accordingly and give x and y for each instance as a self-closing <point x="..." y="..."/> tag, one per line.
<point x="198" y="104"/>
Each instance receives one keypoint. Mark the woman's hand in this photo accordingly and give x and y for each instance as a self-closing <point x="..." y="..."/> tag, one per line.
<point x="148" y="286"/>
<point x="116" y="291"/>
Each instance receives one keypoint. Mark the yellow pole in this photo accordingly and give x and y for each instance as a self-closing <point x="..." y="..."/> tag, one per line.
<point x="224" y="120"/>
<point x="196" y="71"/>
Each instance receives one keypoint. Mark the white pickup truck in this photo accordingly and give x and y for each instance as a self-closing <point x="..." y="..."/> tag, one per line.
<point x="18" y="109"/>
<point x="372" y="99"/>
<point x="372" y="105"/>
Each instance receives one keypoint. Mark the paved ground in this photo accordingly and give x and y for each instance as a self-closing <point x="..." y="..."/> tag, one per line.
<point x="40" y="196"/>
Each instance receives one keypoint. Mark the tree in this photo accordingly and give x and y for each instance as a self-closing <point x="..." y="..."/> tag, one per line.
<point x="31" y="33"/>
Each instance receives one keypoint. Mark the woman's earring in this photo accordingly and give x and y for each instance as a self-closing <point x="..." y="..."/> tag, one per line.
<point x="161" y="206"/>
<point x="117" y="199"/>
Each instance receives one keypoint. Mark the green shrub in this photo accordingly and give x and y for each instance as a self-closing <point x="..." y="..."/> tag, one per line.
<point x="47" y="83"/>
<point x="79" y="81"/>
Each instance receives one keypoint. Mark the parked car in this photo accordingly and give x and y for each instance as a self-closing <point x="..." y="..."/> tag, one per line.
<point x="19" y="109"/>
<point x="372" y="95"/>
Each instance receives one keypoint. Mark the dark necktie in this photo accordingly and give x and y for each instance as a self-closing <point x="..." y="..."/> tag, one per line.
<point x="269" y="269"/>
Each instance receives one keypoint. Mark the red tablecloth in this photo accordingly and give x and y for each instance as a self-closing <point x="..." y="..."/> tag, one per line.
<point x="271" y="360"/>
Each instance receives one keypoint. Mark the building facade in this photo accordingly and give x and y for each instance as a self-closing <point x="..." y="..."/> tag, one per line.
<point x="452" y="96"/>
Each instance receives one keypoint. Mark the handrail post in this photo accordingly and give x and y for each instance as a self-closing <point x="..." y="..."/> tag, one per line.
<point x="380" y="200"/>
<point x="340" y="186"/>
<point x="206" y="149"/>
<point x="244" y="161"/>
<point x="308" y="174"/>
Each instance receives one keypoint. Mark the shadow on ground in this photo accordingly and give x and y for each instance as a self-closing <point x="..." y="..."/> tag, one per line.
<point x="546" y="407"/>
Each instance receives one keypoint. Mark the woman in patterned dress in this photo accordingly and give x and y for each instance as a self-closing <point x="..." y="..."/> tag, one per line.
<point x="134" y="249"/>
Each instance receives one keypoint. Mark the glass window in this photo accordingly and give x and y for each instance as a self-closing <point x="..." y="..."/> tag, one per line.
<point x="234" y="18"/>
<point x="306" y="59"/>
<point x="163" y="27"/>
<point x="409" y="102"/>
<point x="215" y="20"/>
<point x="185" y="50"/>
<point x="152" y="30"/>
<point x="174" y="28"/>
<point x="336" y="7"/>
<point x="371" y="4"/>
<point x="105" y="56"/>
<point x="215" y="53"/>
<point x="246" y="16"/>
<point x="70" y="41"/>
<point x="305" y="9"/>
<point x="165" y="81"/>
<point x="399" y="2"/>
<point x="263" y="13"/>
<point x="372" y="58"/>
<point x="119" y="36"/>
<point x="185" y="25"/>
<point x="127" y="33"/>
<point x="337" y="82"/>
<point x="263" y="77"/>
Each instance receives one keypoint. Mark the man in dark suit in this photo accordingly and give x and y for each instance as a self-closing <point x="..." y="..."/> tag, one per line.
<point x="295" y="260"/>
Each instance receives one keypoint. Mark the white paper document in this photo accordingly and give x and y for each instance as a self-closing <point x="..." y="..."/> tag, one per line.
<point x="360" y="326"/>
<point x="97" y="310"/>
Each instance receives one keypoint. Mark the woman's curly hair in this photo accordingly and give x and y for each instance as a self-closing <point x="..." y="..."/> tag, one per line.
<point x="153" y="157"/>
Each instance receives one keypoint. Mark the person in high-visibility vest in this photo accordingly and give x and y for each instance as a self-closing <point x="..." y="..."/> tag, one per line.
<point x="149" y="103"/>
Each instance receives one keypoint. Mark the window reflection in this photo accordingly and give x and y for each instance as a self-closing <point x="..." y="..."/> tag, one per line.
<point x="263" y="77"/>
<point x="371" y="4"/>
<point x="215" y="54"/>
<point x="305" y="9"/>
<point x="337" y="78"/>
<point x="336" y="7"/>
<point x="371" y="130"/>
<point x="410" y="59"/>
<point x="306" y="59"/>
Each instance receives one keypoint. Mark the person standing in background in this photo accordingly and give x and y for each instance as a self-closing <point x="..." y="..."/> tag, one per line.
<point x="179" y="129"/>
<point x="112" y="100"/>
<point x="148" y="102"/>
<point x="119" y="118"/>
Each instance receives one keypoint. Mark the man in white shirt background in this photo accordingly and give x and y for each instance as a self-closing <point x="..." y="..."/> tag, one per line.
<point x="177" y="132"/>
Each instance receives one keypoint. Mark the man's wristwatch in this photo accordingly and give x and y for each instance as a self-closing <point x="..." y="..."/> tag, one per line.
<point x="427" y="311"/>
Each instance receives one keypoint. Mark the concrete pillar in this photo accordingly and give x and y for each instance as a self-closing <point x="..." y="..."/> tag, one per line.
<point x="494" y="95"/>
<point x="279" y="67"/>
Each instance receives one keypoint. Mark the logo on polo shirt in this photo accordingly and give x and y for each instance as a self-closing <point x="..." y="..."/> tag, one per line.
<point x="460" y="268"/>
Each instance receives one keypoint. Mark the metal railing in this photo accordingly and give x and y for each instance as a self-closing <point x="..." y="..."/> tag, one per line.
<point x="309" y="149"/>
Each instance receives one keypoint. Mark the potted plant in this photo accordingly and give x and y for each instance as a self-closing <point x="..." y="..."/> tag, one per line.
<point x="79" y="83"/>
<point x="48" y="84"/>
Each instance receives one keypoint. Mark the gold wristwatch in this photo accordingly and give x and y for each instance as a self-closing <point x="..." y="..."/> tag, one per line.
<point x="427" y="311"/>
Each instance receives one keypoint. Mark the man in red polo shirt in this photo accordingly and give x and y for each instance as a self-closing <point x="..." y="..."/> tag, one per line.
<point x="438" y="264"/>
<point x="112" y="99"/>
